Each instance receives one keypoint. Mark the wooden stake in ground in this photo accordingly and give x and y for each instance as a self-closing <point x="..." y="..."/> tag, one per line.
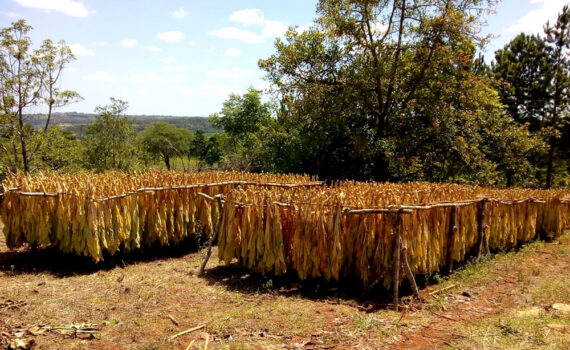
<point x="398" y="239"/>
<point x="451" y="234"/>
<point x="409" y="272"/>
<point x="481" y="223"/>
<point x="214" y="236"/>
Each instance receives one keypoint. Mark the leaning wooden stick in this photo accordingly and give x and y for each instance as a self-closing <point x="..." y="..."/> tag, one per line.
<point x="214" y="236"/>
<point x="398" y="240"/>
<point x="409" y="273"/>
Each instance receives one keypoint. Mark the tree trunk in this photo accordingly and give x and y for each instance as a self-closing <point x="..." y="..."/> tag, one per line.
<point x="166" y="159"/>
<point x="550" y="164"/>
<point x="23" y="140"/>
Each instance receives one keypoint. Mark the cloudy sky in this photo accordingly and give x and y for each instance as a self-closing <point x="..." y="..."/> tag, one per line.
<point x="174" y="57"/>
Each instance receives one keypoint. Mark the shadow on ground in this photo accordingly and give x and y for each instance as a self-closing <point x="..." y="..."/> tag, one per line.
<point x="348" y="289"/>
<point x="60" y="264"/>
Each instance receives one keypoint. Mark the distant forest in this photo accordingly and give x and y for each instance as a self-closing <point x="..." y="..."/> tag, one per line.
<point x="78" y="122"/>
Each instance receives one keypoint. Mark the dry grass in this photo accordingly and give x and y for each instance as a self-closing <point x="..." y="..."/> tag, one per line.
<point x="131" y="301"/>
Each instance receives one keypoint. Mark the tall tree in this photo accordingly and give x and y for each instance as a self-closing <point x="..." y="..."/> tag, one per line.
<point x="387" y="90"/>
<point x="109" y="140"/>
<point x="199" y="148"/>
<point x="558" y="39"/>
<point x="523" y="69"/>
<point x="166" y="141"/>
<point x="533" y="76"/>
<point x="242" y="115"/>
<point x="28" y="78"/>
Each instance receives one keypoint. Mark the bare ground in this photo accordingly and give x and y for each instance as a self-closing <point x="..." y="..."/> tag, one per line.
<point x="141" y="301"/>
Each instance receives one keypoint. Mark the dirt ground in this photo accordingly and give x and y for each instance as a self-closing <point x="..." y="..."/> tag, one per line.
<point x="515" y="300"/>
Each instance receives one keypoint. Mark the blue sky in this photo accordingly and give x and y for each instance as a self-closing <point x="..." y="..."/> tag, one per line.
<point x="184" y="57"/>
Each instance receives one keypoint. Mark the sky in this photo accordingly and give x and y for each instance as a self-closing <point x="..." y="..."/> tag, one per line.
<point x="183" y="58"/>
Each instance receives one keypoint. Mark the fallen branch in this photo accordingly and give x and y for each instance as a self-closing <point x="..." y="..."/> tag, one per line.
<point x="442" y="289"/>
<point x="173" y="320"/>
<point x="187" y="331"/>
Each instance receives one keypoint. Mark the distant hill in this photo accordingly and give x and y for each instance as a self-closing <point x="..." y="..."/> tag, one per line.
<point x="77" y="122"/>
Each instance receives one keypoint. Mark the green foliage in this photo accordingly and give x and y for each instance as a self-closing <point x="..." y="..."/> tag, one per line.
<point x="28" y="78"/>
<point x="390" y="91"/>
<point x="244" y="119"/>
<point x="109" y="140"/>
<point x="533" y="76"/>
<point x="165" y="141"/>
<point x="61" y="150"/>
<point x="242" y="115"/>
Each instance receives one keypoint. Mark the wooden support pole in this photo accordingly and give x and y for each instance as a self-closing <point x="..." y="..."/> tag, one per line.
<point x="409" y="272"/>
<point x="481" y="223"/>
<point x="214" y="235"/>
<point x="398" y="241"/>
<point x="451" y="236"/>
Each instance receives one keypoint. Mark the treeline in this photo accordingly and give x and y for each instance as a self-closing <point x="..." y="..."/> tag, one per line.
<point x="78" y="122"/>
<point x="386" y="91"/>
<point x="395" y="91"/>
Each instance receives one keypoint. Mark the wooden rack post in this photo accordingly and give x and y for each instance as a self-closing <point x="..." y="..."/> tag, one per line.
<point x="218" y="198"/>
<point x="481" y="227"/>
<point x="451" y="236"/>
<point x="398" y="241"/>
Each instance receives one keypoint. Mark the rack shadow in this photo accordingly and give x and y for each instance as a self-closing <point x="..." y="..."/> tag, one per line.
<point x="56" y="263"/>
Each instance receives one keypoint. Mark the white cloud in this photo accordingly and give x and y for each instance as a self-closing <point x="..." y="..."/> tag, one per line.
<point x="154" y="77"/>
<point x="273" y="29"/>
<point x="71" y="70"/>
<point x="178" y="78"/>
<point x="68" y="7"/>
<point x="248" y="16"/>
<point x="146" y="77"/>
<point x="232" y="52"/>
<point x="152" y="48"/>
<point x="301" y="29"/>
<point x="192" y="43"/>
<point x="228" y="74"/>
<point x="81" y="50"/>
<point x="11" y="14"/>
<point x="533" y="21"/>
<point x="180" y="13"/>
<point x="183" y="90"/>
<point x="181" y="68"/>
<point x="170" y="37"/>
<point x="251" y="17"/>
<point x="168" y="59"/>
<point x="99" y="76"/>
<point x="98" y="43"/>
<point x="379" y="27"/>
<point x="129" y="42"/>
<point x="239" y="34"/>
<point x="220" y="90"/>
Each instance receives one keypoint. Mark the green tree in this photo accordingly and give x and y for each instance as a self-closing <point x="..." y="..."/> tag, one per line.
<point x="213" y="152"/>
<point x="533" y="76"/>
<point x="61" y="150"/>
<point x="242" y="115"/>
<point x="243" y="118"/>
<point x="388" y="91"/>
<point x="523" y="69"/>
<point x="199" y="148"/>
<point x="109" y="140"/>
<point x="165" y="140"/>
<point x="558" y="40"/>
<point x="28" y="78"/>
